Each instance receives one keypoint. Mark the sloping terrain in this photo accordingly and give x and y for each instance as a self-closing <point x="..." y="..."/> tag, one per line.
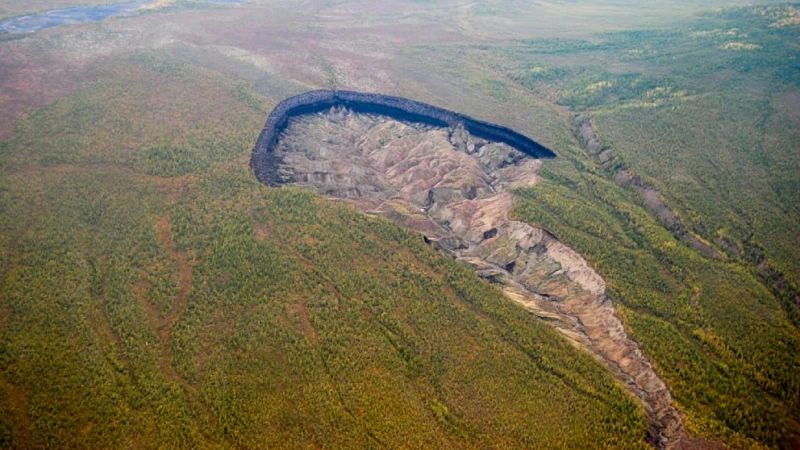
<point x="136" y="249"/>
<point x="151" y="298"/>
<point x="456" y="189"/>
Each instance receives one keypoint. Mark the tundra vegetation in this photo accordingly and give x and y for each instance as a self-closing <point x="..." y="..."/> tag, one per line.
<point x="708" y="126"/>
<point x="154" y="294"/>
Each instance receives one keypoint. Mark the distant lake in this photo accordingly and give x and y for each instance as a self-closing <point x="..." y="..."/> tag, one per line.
<point x="78" y="14"/>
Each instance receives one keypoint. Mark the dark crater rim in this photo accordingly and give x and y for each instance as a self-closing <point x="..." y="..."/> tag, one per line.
<point x="266" y="165"/>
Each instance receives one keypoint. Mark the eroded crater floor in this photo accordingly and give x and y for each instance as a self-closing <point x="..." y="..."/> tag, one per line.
<point x="456" y="189"/>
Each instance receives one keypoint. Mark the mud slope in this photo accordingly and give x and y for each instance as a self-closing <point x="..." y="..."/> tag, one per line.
<point x="455" y="188"/>
<point x="264" y="163"/>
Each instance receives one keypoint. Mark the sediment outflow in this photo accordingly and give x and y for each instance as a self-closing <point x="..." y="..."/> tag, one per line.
<point x="456" y="188"/>
<point x="403" y="109"/>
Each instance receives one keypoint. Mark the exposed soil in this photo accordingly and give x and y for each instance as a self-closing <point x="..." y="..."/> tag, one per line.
<point x="300" y="309"/>
<point x="19" y="415"/>
<point x="455" y="188"/>
<point x="4" y="314"/>
<point x="165" y="235"/>
<point x="650" y="197"/>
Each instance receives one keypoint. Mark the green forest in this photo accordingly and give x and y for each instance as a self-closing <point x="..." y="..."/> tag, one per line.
<point x="722" y="154"/>
<point x="154" y="295"/>
<point x="151" y="299"/>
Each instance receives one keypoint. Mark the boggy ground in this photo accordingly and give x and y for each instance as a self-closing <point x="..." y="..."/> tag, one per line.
<point x="457" y="189"/>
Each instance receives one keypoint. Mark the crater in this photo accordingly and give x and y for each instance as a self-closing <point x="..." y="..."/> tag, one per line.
<point x="455" y="187"/>
<point x="263" y="159"/>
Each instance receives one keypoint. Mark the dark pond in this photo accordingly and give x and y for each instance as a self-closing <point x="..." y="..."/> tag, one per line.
<point x="78" y="14"/>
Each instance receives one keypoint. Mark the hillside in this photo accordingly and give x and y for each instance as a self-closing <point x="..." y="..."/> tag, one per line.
<point x="155" y="294"/>
<point x="208" y="310"/>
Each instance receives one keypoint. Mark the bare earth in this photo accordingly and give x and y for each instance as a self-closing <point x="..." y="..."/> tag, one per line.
<point x="455" y="188"/>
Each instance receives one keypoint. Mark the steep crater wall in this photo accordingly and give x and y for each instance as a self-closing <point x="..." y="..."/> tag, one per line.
<point x="455" y="187"/>
<point x="264" y="164"/>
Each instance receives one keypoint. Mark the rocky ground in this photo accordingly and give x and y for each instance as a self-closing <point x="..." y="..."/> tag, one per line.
<point x="456" y="189"/>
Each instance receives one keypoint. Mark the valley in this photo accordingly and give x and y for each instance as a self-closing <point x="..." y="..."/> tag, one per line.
<point x="456" y="189"/>
<point x="402" y="284"/>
